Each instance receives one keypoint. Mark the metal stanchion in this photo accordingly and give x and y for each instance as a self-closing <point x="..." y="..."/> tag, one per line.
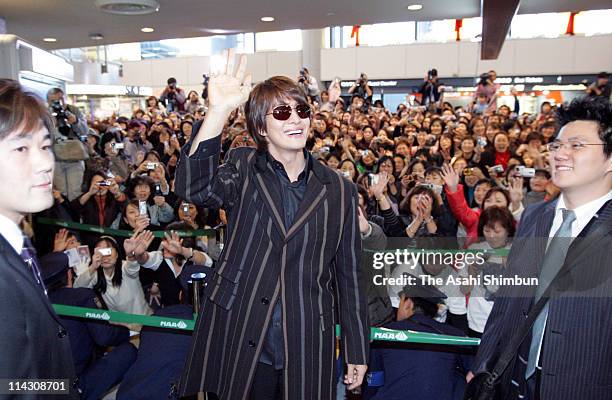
<point x="196" y="286"/>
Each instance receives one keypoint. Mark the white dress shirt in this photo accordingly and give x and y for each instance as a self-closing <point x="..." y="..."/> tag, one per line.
<point x="12" y="233"/>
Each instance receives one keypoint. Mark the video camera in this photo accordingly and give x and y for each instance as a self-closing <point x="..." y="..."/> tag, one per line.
<point x="61" y="118"/>
<point x="484" y="79"/>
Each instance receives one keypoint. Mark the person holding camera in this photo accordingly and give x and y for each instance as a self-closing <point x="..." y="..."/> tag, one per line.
<point x="100" y="205"/>
<point x="487" y="89"/>
<point x="431" y="89"/>
<point x="309" y="84"/>
<point x="70" y="152"/>
<point x="173" y="97"/>
<point x="601" y="87"/>
<point x="361" y="88"/>
<point x="135" y="143"/>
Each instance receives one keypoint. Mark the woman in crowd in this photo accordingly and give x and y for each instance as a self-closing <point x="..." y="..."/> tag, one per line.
<point x="420" y="209"/>
<point x="193" y="102"/>
<point x="145" y="192"/>
<point x="114" y="275"/>
<point x="496" y="228"/>
<point x="100" y="205"/>
<point x="115" y="161"/>
<point x="494" y="197"/>
<point x="154" y="107"/>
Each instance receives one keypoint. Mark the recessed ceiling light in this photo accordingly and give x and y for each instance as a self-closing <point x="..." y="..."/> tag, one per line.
<point x="267" y="19"/>
<point x="415" y="7"/>
<point x="128" y="7"/>
<point x="50" y="40"/>
<point x="96" y="36"/>
<point x="147" y="30"/>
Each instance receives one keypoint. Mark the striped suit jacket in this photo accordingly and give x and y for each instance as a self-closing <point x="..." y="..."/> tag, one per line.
<point x="576" y="356"/>
<point x="312" y="267"/>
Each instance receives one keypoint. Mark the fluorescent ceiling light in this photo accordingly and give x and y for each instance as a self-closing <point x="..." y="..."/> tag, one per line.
<point x="267" y="19"/>
<point x="147" y="30"/>
<point x="50" y="40"/>
<point x="415" y="7"/>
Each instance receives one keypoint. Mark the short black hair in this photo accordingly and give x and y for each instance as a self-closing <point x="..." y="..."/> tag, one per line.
<point x="171" y="81"/>
<point x="594" y="109"/>
<point x="495" y="214"/>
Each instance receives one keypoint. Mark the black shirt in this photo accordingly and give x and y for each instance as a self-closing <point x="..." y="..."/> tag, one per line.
<point x="292" y="194"/>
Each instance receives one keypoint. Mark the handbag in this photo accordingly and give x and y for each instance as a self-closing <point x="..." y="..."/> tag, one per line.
<point x="486" y="385"/>
<point x="70" y="150"/>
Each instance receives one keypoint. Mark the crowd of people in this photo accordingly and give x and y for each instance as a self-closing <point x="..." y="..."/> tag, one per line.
<point x="422" y="172"/>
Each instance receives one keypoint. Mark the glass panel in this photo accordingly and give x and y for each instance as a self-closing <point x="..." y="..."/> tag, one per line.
<point x="595" y="22"/>
<point x="436" y="31"/>
<point x="547" y="25"/>
<point x="290" y="40"/>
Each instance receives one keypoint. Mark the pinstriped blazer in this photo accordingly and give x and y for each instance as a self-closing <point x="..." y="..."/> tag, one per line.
<point x="312" y="267"/>
<point x="576" y="355"/>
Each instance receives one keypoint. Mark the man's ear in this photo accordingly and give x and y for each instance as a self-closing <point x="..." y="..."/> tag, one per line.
<point x="609" y="164"/>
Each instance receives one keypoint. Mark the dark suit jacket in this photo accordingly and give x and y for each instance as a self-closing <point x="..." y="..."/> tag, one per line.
<point x="312" y="268"/>
<point x="33" y="342"/>
<point x="576" y="355"/>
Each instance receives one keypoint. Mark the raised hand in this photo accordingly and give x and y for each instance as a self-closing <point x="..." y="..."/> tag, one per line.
<point x="230" y="87"/>
<point x="379" y="188"/>
<point x="173" y="243"/>
<point x="138" y="243"/>
<point x="61" y="240"/>
<point x="451" y="177"/>
<point x="363" y="222"/>
<point x="516" y="192"/>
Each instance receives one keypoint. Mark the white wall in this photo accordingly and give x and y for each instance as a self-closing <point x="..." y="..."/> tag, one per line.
<point x="567" y="55"/>
<point x="188" y="70"/>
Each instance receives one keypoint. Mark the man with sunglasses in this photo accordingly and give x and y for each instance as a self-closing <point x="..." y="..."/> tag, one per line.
<point x="566" y="355"/>
<point x="290" y="265"/>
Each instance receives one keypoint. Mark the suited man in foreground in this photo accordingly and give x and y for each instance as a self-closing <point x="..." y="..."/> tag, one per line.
<point x="291" y="259"/>
<point x="34" y="343"/>
<point x="567" y="354"/>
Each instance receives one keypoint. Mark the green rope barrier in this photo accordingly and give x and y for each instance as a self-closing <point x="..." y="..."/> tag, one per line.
<point x="382" y="334"/>
<point x="118" y="232"/>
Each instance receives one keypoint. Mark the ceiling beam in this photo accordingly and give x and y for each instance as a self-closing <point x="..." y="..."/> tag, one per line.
<point x="496" y="18"/>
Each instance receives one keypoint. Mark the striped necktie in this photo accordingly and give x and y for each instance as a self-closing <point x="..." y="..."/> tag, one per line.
<point x="28" y="255"/>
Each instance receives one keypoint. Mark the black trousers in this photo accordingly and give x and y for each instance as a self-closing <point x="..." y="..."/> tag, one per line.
<point x="267" y="383"/>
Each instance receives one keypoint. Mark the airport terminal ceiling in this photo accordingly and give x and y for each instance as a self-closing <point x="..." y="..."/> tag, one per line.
<point x="72" y="22"/>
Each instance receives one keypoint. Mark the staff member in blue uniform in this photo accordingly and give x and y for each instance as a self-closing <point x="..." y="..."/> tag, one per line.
<point x="417" y="371"/>
<point x="96" y="374"/>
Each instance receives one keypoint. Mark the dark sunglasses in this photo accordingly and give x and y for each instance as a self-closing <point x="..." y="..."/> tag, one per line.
<point x="282" y="113"/>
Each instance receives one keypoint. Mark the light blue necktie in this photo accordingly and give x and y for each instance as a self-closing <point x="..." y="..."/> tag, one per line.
<point x="553" y="261"/>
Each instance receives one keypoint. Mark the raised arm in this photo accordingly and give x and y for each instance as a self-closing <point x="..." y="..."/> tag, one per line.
<point x="199" y="179"/>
